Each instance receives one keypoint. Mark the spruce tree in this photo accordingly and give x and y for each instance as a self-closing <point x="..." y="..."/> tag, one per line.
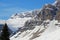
<point x="5" y="33"/>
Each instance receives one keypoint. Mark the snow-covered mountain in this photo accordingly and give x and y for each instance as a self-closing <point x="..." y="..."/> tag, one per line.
<point x="40" y="24"/>
<point x="18" y="20"/>
<point x="31" y="13"/>
<point x="40" y="32"/>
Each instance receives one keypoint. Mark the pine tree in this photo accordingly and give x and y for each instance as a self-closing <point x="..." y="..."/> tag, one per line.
<point x="5" y="33"/>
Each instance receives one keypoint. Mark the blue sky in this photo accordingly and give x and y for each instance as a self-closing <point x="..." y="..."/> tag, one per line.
<point x="9" y="7"/>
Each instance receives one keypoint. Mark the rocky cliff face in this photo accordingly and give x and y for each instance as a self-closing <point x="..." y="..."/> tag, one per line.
<point x="50" y="11"/>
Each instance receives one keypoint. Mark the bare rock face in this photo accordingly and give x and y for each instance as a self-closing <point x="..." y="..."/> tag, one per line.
<point x="57" y="4"/>
<point x="48" y="12"/>
<point x="58" y="16"/>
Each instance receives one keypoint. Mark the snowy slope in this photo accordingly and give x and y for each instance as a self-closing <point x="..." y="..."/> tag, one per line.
<point x="40" y="33"/>
<point x="51" y="27"/>
<point x="51" y="33"/>
<point x="50" y="36"/>
<point x="29" y="34"/>
<point x="26" y="35"/>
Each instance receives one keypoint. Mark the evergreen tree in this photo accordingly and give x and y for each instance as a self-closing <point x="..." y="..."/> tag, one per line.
<point x="5" y="33"/>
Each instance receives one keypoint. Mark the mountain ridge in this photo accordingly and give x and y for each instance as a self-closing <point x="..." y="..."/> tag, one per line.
<point x="37" y="24"/>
